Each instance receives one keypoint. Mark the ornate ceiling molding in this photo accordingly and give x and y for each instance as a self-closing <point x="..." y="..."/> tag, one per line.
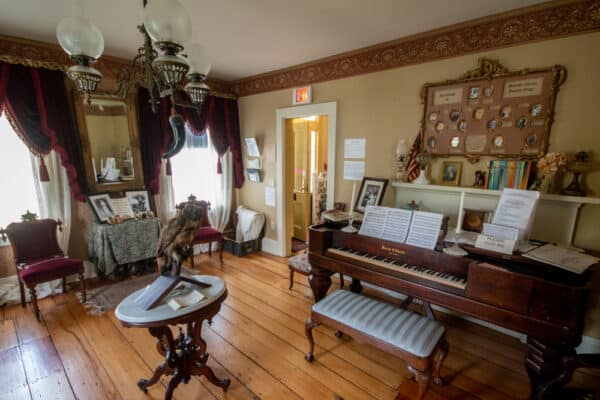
<point x="32" y="53"/>
<point x="547" y="21"/>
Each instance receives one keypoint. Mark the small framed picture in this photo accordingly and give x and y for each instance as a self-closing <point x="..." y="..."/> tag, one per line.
<point x="451" y="171"/>
<point x="253" y="175"/>
<point x="252" y="147"/>
<point x="473" y="220"/>
<point x="474" y="93"/>
<point x="138" y="200"/>
<point x="102" y="206"/>
<point x="370" y="193"/>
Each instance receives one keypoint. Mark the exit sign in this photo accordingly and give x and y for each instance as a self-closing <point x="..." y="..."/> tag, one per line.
<point x="302" y="95"/>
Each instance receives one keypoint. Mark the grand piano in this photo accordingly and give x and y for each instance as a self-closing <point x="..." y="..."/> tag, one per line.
<point x="544" y="302"/>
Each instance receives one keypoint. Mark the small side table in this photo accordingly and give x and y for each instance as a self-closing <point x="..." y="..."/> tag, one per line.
<point x="185" y="355"/>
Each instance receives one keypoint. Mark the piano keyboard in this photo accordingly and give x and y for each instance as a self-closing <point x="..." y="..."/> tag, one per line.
<point x="414" y="270"/>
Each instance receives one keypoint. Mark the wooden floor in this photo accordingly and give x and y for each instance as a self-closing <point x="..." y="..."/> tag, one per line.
<point x="257" y="340"/>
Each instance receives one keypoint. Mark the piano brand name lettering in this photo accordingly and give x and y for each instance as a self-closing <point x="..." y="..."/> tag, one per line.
<point x="392" y="249"/>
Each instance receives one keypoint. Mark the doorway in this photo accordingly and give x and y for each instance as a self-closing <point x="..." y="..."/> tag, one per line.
<point x="306" y="165"/>
<point x="298" y="174"/>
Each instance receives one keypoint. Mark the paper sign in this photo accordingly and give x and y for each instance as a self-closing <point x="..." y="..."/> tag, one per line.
<point x="269" y="196"/>
<point x="523" y="87"/>
<point x="500" y="232"/>
<point x="515" y="209"/>
<point x="354" y="148"/>
<point x="354" y="170"/>
<point x="498" y="245"/>
<point x="447" y="96"/>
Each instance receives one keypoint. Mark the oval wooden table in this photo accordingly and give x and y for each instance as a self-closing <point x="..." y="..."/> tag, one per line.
<point x="185" y="354"/>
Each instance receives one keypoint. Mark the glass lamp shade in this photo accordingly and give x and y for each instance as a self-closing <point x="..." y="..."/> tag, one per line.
<point x="170" y="69"/>
<point x="197" y="59"/>
<point x="167" y="21"/>
<point x="197" y="91"/>
<point x="79" y="36"/>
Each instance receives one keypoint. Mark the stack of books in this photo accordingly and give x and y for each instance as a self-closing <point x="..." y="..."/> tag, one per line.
<point x="509" y="174"/>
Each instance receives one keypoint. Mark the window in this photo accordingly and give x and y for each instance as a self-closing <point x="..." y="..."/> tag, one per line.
<point x="16" y="176"/>
<point x="195" y="170"/>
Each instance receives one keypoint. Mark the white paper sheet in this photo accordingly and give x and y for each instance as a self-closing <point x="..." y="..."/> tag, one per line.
<point x="562" y="257"/>
<point x="355" y="148"/>
<point x="500" y="232"/>
<point x="186" y="300"/>
<point x="424" y="229"/>
<point x="269" y="196"/>
<point x="354" y="170"/>
<point x="386" y="223"/>
<point x="515" y="209"/>
<point x="252" y="147"/>
<point x="253" y="163"/>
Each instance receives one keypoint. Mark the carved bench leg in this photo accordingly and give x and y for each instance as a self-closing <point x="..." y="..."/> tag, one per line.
<point x="439" y="360"/>
<point x="308" y="327"/>
<point x="422" y="378"/>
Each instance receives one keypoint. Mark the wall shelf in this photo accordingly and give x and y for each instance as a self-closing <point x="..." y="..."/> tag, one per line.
<point x="555" y="218"/>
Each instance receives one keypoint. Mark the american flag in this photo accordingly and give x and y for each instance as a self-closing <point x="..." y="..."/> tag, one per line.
<point x="412" y="166"/>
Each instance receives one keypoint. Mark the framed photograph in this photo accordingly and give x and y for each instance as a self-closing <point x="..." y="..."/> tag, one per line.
<point x="370" y="193"/>
<point x="138" y="200"/>
<point x="102" y="206"/>
<point x="451" y="173"/>
<point x="253" y="175"/>
<point x="252" y="147"/>
<point x="473" y="220"/>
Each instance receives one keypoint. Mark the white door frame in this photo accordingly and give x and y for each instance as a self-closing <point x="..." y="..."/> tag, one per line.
<point x="329" y="109"/>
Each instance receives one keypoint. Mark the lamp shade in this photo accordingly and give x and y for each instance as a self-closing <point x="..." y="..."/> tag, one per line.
<point x="197" y="59"/>
<point x="401" y="149"/>
<point x="77" y="35"/>
<point x="167" y="21"/>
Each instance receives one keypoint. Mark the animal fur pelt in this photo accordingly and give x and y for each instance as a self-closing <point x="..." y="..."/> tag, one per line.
<point x="176" y="237"/>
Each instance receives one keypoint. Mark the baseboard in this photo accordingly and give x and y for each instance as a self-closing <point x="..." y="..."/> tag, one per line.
<point x="588" y="344"/>
<point x="270" y="246"/>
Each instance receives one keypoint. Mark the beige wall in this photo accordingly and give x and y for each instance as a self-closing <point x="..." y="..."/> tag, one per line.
<point x="385" y="106"/>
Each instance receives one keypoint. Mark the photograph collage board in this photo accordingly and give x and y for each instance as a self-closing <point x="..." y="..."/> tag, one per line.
<point x="505" y="116"/>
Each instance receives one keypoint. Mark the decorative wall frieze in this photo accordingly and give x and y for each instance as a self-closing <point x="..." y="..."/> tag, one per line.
<point x="48" y="55"/>
<point x="543" y="22"/>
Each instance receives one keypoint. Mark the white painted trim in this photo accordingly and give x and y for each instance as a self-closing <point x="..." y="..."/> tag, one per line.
<point x="281" y="114"/>
<point x="270" y="246"/>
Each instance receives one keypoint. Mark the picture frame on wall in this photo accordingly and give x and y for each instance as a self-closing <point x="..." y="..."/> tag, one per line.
<point x="102" y="206"/>
<point x="451" y="171"/>
<point x="138" y="200"/>
<point x="371" y="193"/>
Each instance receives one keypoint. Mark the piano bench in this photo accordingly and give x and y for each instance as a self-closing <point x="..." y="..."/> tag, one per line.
<point x="419" y="341"/>
<point x="300" y="264"/>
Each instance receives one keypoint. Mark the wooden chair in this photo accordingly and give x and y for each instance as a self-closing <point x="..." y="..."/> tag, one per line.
<point x="299" y="263"/>
<point x="206" y="234"/>
<point x="38" y="258"/>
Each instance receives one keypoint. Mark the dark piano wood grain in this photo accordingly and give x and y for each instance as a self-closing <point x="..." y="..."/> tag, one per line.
<point x="546" y="304"/>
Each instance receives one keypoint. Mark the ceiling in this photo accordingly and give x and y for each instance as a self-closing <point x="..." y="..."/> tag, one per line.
<point x="249" y="37"/>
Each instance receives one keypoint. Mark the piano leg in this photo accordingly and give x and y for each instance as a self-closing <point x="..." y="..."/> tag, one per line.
<point x="356" y="286"/>
<point x="320" y="282"/>
<point x="543" y="363"/>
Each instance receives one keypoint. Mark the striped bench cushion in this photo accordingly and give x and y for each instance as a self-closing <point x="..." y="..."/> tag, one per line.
<point x="410" y="332"/>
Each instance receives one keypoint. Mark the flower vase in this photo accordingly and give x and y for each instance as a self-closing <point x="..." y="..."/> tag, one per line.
<point x="549" y="183"/>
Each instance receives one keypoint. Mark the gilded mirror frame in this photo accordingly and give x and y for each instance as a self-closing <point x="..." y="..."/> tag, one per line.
<point x="134" y="139"/>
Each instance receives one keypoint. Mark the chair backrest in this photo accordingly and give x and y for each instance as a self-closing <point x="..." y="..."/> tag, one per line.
<point x="203" y="205"/>
<point x="33" y="240"/>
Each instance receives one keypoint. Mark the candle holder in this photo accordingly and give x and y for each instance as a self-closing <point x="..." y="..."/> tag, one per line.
<point x="350" y="227"/>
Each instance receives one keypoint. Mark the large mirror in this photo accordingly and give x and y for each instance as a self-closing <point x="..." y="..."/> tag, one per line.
<point x="109" y="133"/>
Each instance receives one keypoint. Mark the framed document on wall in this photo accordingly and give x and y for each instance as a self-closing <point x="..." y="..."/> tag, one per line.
<point x="491" y="111"/>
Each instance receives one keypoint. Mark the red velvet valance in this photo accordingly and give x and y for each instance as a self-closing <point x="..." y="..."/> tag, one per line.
<point x="218" y="114"/>
<point x="37" y="105"/>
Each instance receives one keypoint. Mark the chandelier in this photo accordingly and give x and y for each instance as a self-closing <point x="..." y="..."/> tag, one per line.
<point x="167" y="25"/>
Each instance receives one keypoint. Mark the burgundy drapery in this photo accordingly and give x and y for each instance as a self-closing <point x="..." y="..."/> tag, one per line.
<point x="36" y="101"/>
<point x="218" y="114"/>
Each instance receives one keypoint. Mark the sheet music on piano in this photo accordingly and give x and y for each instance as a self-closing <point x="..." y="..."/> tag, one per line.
<point x="386" y="223"/>
<point x="417" y="228"/>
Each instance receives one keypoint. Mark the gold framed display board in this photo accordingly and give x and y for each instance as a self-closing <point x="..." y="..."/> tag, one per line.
<point x="490" y="111"/>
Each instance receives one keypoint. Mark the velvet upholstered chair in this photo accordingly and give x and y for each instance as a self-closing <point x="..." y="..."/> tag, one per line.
<point x="38" y="257"/>
<point x="206" y="234"/>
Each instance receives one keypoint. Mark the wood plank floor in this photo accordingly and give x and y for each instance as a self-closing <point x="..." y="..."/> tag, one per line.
<point x="257" y="340"/>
